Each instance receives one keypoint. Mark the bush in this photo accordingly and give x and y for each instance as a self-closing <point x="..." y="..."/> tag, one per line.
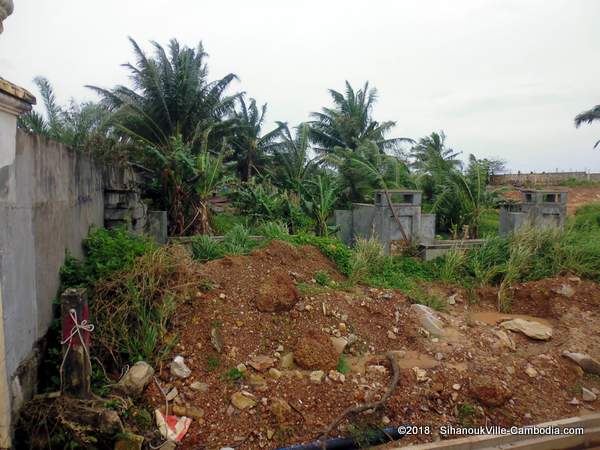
<point x="106" y="251"/>
<point x="132" y="308"/>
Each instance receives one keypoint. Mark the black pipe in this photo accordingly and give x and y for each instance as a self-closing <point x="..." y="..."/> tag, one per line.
<point x="349" y="443"/>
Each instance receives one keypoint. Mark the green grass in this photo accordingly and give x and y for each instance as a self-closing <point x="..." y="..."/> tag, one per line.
<point x="224" y="222"/>
<point x="342" y="365"/>
<point x="489" y="224"/>
<point x="322" y="278"/>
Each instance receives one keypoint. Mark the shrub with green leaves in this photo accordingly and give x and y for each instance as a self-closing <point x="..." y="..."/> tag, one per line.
<point x="367" y="258"/>
<point x="106" y="251"/>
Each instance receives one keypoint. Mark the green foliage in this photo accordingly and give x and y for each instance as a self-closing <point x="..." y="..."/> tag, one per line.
<point x="367" y="258"/>
<point x="234" y="374"/>
<point x="333" y="248"/>
<point x="587" y="217"/>
<point x="466" y="413"/>
<point x="401" y="272"/>
<point x="204" y="248"/>
<point x="322" y="278"/>
<point x="106" y="251"/>
<point x="273" y="230"/>
<point x="223" y="222"/>
<point x="342" y="365"/>
<point x="237" y="241"/>
<point x="212" y="363"/>
<point x="419" y="295"/>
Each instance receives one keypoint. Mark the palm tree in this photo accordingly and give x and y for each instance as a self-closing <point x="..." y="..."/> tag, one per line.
<point x="348" y="130"/>
<point x="249" y="145"/>
<point x="292" y="165"/>
<point x="588" y="117"/>
<point x="350" y="122"/>
<point x="79" y="125"/>
<point x="433" y="162"/>
<point x="171" y="96"/>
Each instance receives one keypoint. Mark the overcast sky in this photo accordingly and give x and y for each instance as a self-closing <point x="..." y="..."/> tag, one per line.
<point x="502" y="78"/>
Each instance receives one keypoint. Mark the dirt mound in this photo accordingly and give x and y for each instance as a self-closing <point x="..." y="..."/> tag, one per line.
<point x="460" y="377"/>
<point x="277" y="293"/>
<point x="315" y="352"/>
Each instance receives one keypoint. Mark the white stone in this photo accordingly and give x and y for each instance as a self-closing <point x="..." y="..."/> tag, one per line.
<point x="135" y="379"/>
<point x="179" y="369"/>
<point x="587" y="395"/>
<point x="317" y="376"/>
<point x="428" y="319"/>
<point x="530" y="328"/>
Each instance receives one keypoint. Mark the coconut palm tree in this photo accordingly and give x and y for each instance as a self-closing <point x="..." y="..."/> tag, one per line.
<point x="250" y="146"/>
<point x="350" y="122"/>
<point x="291" y="163"/>
<point x="588" y="117"/>
<point x="171" y="95"/>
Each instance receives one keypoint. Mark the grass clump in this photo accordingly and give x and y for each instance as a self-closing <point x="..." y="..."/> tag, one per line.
<point x="204" y="248"/>
<point x="273" y="230"/>
<point x="132" y="308"/>
<point x="322" y="278"/>
<point x="367" y="258"/>
<point x="234" y="374"/>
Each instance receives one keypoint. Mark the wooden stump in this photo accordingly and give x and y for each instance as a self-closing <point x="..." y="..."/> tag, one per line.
<point x="77" y="367"/>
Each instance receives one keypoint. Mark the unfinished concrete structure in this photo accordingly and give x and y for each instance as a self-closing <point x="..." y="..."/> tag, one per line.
<point x="379" y="220"/>
<point x="538" y="208"/>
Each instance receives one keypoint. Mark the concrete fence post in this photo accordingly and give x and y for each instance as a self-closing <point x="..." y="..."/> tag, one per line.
<point x="77" y="367"/>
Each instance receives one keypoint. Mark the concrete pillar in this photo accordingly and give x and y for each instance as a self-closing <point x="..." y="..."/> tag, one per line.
<point x="13" y="101"/>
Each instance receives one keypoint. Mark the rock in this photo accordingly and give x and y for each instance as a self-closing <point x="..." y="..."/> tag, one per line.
<point x="270" y="434"/>
<point x="279" y="348"/>
<point x="316" y="376"/>
<point x="456" y="386"/>
<point x="179" y="369"/>
<point x="506" y="340"/>
<point x="135" y="379"/>
<point x="428" y="319"/>
<point x="339" y="343"/>
<point x="242" y="401"/>
<point x="587" y="395"/>
<point x="574" y="401"/>
<point x="172" y="394"/>
<point x="377" y="369"/>
<point x="129" y="441"/>
<point x="439" y="356"/>
<point x="391" y="335"/>
<point x="188" y="411"/>
<point x="342" y="327"/>
<point x="489" y="391"/>
<point x="169" y="445"/>
<point x="566" y="290"/>
<point x="530" y="371"/>
<point x="280" y="409"/>
<point x="256" y="381"/>
<point x="216" y="339"/>
<point x="277" y="293"/>
<point x="452" y="299"/>
<point x="585" y="361"/>
<point x="241" y="368"/>
<point x="315" y="351"/>
<point x="199" y="387"/>
<point x="385" y="420"/>
<point x="274" y="373"/>
<point x="262" y="362"/>
<point x="336" y="376"/>
<point x="287" y="361"/>
<point x="510" y="370"/>
<point x="420" y="374"/>
<point x="534" y="330"/>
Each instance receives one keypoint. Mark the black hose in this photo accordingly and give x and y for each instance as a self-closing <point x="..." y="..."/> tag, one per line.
<point x="349" y="443"/>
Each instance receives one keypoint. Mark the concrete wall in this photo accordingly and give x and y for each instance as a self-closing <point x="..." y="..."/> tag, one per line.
<point x="542" y="179"/>
<point x="50" y="196"/>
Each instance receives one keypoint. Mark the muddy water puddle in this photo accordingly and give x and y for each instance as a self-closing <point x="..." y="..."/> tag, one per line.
<point x="494" y="317"/>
